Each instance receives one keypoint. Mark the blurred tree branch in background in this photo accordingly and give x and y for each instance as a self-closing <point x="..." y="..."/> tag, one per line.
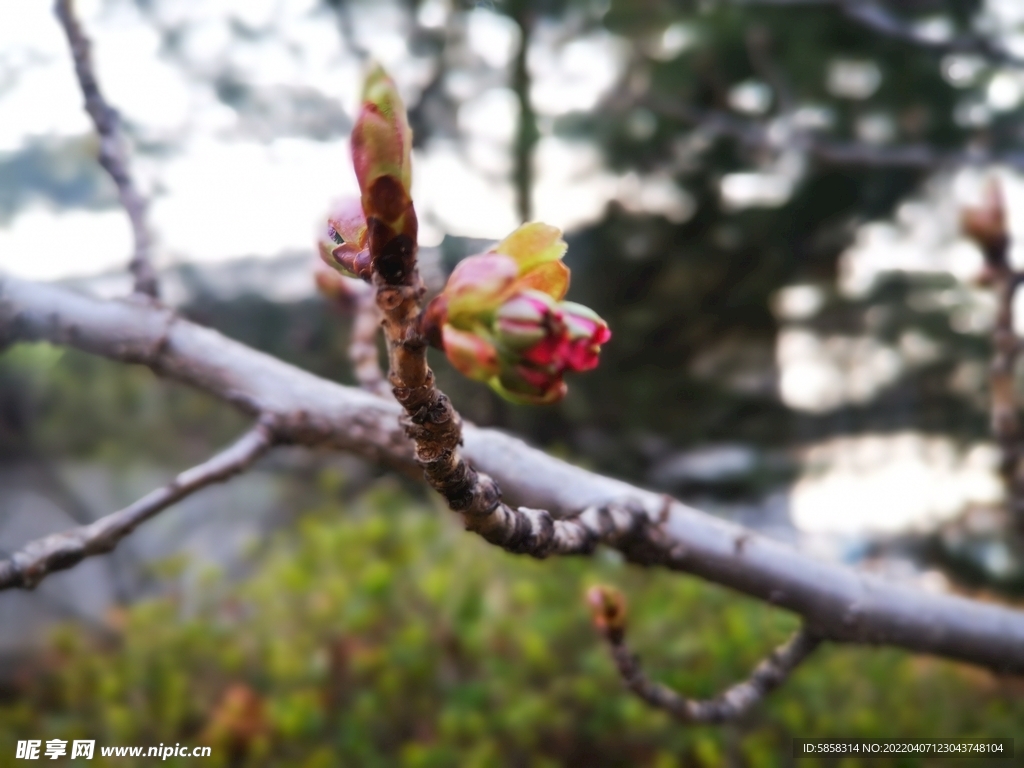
<point x="878" y="16"/>
<point x="113" y="150"/>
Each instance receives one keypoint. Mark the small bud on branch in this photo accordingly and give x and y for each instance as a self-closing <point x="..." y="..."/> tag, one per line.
<point x="500" y="318"/>
<point x="608" y="611"/>
<point x="986" y="225"/>
<point x="381" y="145"/>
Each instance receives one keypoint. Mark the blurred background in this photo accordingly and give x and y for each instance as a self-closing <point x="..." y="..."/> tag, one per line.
<point x="762" y="198"/>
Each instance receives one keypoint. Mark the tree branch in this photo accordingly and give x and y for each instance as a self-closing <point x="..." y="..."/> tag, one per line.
<point x="756" y="135"/>
<point x="113" y="151"/>
<point x="837" y="603"/>
<point x="63" y="550"/>
<point x="362" y="348"/>
<point x="987" y="227"/>
<point x="609" y="612"/>
<point x="878" y="18"/>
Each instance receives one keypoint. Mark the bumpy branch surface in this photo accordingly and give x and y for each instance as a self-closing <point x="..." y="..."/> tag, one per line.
<point x="63" y="550"/>
<point x="837" y="603"/>
<point x="609" y="611"/>
<point x="113" y="151"/>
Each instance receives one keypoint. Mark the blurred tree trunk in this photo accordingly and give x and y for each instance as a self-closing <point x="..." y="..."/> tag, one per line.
<point x="526" y="133"/>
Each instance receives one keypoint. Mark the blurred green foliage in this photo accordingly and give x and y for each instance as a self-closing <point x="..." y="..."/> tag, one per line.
<point x="378" y="634"/>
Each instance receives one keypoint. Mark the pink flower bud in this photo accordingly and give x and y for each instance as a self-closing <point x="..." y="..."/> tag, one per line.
<point x="348" y="222"/>
<point x="477" y="287"/>
<point x="526" y="384"/>
<point x="500" y="320"/>
<point x="525" y="320"/>
<point x="343" y="241"/>
<point x="586" y="332"/>
<point x="381" y="145"/>
<point x="470" y="354"/>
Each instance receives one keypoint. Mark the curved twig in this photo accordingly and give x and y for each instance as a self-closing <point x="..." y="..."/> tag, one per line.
<point x="609" y="611"/>
<point x="59" y="551"/>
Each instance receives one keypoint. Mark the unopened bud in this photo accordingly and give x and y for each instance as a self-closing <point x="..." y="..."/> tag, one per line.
<point x="586" y="332"/>
<point x="608" y="611"/>
<point x="529" y="384"/>
<point x="524" y="320"/>
<point x="381" y="145"/>
<point x="344" y="240"/>
<point x="477" y="287"/>
<point x="986" y="225"/>
<point x="471" y="355"/>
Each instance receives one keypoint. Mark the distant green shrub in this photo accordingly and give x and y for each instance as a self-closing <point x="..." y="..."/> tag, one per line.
<point x="382" y="635"/>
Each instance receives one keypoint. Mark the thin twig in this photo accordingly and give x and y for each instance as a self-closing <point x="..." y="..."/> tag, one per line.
<point x="113" y="150"/>
<point x="759" y="50"/>
<point x="59" y="551"/>
<point x="754" y="134"/>
<point x="609" y="612"/>
<point x="362" y="349"/>
<point x="987" y="226"/>
<point x="878" y="18"/>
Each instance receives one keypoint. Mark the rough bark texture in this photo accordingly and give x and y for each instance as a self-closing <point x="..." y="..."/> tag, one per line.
<point x="837" y="603"/>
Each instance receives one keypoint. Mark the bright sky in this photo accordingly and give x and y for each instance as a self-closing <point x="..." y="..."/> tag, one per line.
<point x="221" y="193"/>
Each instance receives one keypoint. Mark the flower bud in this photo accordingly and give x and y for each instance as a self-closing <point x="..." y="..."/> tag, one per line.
<point x="533" y="244"/>
<point x="348" y="222"/>
<point x="525" y="320"/>
<point x="500" y="318"/>
<point x="529" y="385"/>
<point x="986" y="225"/>
<point x="477" y="287"/>
<point x="343" y="242"/>
<point x="381" y="144"/>
<point x="470" y="354"/>
<point x="585" y="333"/>
<point x="608" y="610"/>
<point x="537" y="249"/>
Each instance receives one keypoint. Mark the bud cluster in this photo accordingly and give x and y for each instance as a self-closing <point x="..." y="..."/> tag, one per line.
<point x="501" y="320"/>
